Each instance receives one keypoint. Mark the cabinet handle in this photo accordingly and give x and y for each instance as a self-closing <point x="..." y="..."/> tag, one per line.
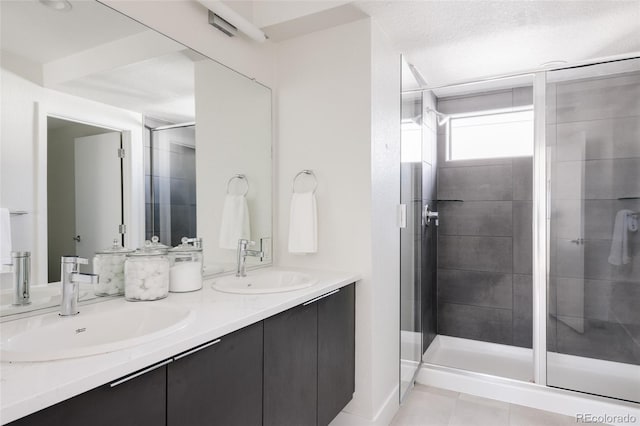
<point x="321" y="297"/>
<point x="140" y="373"/>
<point x="199" y="348"/>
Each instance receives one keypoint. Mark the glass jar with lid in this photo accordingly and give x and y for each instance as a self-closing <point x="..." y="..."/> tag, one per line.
<point x="186" y="266"/>
<point x="109" y="265"/>
<point x="146" y="272"/>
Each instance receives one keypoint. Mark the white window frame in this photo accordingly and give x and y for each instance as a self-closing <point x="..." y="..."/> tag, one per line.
<point x="497" y="111"/>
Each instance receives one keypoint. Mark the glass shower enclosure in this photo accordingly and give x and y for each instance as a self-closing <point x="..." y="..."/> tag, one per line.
<point x="558" y="303"/>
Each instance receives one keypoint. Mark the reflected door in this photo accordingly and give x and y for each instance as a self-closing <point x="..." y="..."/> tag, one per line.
<point x="98" y="179"/>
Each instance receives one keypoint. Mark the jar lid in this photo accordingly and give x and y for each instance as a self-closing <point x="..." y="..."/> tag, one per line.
<point x="147" y="252"/>
<point x="115" y="248"/>
<point x="188" y="245"/>
<point x="151" y="248"/>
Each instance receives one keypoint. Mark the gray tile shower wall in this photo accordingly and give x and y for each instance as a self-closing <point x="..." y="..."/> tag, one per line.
<point x="484" y="242"/>
<point x="594" y="141"/>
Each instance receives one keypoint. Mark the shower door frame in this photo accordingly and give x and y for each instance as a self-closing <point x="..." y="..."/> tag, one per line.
<point x="540" y="224"/>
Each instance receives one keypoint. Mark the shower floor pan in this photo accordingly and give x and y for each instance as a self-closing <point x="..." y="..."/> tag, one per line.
<point x="598" y="377"/>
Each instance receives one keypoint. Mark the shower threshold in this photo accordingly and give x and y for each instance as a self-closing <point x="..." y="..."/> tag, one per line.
<point x="593" y="376"/>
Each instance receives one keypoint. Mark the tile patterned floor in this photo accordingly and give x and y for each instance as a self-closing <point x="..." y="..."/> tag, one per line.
<point x="428" y="406"/>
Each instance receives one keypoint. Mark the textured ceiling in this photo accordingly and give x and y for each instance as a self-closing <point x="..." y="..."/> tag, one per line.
<point x="454" y="41"/>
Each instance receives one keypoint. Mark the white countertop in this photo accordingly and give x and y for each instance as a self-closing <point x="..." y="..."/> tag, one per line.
<point x="29" y="387"/>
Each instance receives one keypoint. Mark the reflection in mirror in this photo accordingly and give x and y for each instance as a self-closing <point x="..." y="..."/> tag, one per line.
<point x="170" y="181"/>
<point x="111" y="130"/>
<point x="84" y="190"/>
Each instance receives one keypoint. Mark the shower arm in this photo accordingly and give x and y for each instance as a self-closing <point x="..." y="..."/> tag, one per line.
<point x="441" y="117"/>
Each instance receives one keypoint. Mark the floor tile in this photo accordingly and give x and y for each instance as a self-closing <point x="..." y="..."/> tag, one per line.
<point x="526" y="416"/>
<point x="430" y="406"/>
<point x="425" y="409"/>
<point x="472" y="411"/>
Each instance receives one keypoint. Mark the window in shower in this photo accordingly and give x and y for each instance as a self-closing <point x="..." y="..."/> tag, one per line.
<point x="491" y="134"/>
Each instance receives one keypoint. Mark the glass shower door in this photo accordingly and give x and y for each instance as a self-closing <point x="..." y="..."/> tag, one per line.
<point x="410" y="240"/>
<point x="593" y="145"/>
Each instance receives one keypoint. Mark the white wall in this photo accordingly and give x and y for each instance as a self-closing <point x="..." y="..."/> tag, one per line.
<point x="385" y="195"/>
<point x="23" y="159"/>
<point x="187" y="22"/>
<point x="338" y="113"/>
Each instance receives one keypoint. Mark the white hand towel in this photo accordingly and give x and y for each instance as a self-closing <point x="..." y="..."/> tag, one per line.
<point x="235" y="224"/>
<point x="619" y="254"/>
<point x="5" y="238"/>
<point x="303" y="223"/>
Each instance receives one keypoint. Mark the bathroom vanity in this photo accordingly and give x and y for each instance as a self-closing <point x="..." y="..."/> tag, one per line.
<point x="277" y="359"/>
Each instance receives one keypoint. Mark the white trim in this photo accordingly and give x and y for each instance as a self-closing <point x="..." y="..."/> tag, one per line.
<point x="485" y="79"/>
<point x="383" y="417"/>
<point x="528" y="394"/>
<point x="540" y="252"/>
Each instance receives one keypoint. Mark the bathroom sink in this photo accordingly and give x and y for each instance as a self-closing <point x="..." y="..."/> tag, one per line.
<point x="51" y="337"/>
<point x="270" y="281"/>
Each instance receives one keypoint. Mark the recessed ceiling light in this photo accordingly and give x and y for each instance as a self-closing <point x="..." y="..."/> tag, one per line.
<point x="59" y="5"/>
<point x="553" y="64"/>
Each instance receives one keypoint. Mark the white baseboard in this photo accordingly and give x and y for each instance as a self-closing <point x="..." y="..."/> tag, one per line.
<point x="382" y="418"/>
<point x="530" y="394"/>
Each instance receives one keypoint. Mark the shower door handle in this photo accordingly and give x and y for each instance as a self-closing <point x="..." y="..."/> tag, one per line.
<point x="427" y="215"/>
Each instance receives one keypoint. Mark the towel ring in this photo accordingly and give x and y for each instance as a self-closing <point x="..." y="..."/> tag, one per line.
<point x="308" y="173"/>
<point x="241" y="177"/>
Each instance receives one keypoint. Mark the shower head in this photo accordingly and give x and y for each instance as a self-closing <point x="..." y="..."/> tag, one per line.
<point x="442" y="118"/>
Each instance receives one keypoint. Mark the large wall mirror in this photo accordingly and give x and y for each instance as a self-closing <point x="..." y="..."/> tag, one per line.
<point x="112" y="131"/>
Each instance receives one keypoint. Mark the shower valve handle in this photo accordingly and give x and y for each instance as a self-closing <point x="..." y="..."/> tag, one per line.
<point x="427" y="215"/>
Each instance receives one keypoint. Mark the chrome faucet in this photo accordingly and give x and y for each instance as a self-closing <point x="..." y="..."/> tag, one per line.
<point x="242" y="256"/>
<point x="21" y="269"/>
<point x="70" y="277"/>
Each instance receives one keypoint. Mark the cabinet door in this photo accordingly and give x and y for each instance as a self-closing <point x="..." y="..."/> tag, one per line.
<point x="290" y="367"/>
<point x="336" y="353"/>
<point x="220" y="384"/>
<point x="140" y="401"/>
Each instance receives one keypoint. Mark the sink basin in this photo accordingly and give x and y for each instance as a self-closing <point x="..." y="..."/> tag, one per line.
<point x="50" y="337"/>
<point x="264" y="282"/>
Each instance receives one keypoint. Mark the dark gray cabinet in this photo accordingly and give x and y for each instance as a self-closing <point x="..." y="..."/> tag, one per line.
<point x="219" y="383"/>
<point x="136" y="400"/>
<point x="336" y="353"/>
<point x="309" y="361"/>
<point x="290" y="367"/>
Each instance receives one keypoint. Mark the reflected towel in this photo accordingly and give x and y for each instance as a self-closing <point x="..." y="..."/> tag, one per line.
<point x="235" y="221"/>
<point x="5" y="238"/>
<point x="303" y="223"/>
<point x="619" y="254"/>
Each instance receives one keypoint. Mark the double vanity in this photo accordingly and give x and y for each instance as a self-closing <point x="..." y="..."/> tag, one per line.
<point x="250" y="353"/>
<point x="135" y="127"/>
